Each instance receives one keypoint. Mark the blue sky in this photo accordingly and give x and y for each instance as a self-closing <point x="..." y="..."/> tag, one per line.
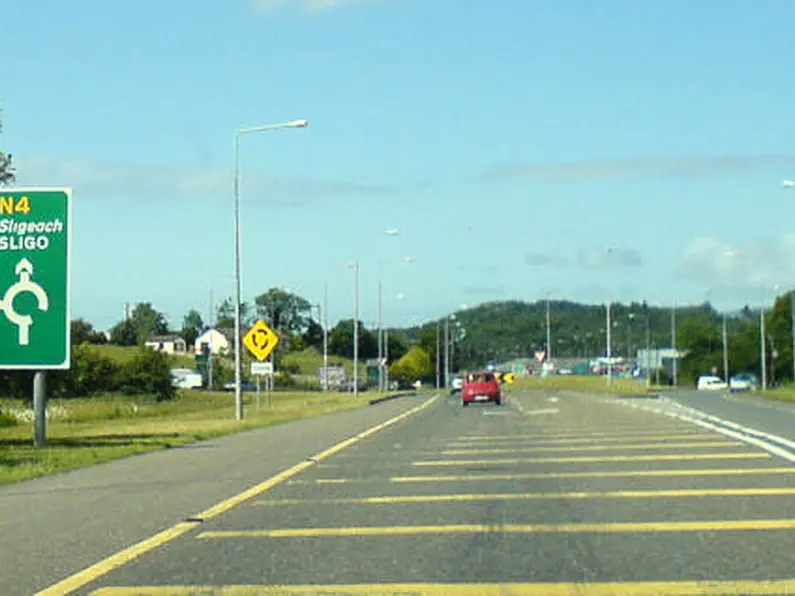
<point x="511" y="143"/>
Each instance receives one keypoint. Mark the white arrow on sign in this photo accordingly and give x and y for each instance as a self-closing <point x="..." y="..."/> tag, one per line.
<point x="24" y="270"/>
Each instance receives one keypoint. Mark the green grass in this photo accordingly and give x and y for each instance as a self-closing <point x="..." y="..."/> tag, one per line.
<point x="82" y="432"/>
<point x="310" y="362"/>
<point x="596" y="384"/>
<point x="122" y="354"/>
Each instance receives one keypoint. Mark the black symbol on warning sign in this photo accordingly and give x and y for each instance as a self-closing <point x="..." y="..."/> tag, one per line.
<point x="261" y="339"/>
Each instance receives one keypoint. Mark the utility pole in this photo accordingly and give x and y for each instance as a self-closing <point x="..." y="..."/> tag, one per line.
<point x="675" y="360"/>
<point x="356" y="331"/>
<point x="380" y="339"/>
<point x="210" y="352"/>
<point x="725" y="350"/>
<point x="648" y="348"/>
<point x="325" y="336"/>
<point x="438" y="371"/>
<point x="763" y="348"/>
<point x="792" y="315"/>
<point x="549" y="334"/>
<point x="609" y="348"/>
<point x="447" y="352"/>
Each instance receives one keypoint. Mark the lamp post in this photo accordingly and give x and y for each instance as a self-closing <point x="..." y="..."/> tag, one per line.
<point x="238" y="285"/>
<point x="355" y="266"/>
<point x="325" y="336"/>
<point x="791" y="184"/>
<point x="549" y="334"/>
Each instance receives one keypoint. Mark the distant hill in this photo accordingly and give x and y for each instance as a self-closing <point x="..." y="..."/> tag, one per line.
<point x="504" y="330"/>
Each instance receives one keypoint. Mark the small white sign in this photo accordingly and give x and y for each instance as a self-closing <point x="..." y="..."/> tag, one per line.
<point x="262" y="368"/>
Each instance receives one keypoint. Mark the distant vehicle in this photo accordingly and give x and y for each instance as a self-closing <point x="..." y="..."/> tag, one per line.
<point x="743" y="382"/>
<point x="711" y="383"/>
<point x="456" y="384"/>
<point x="481" y="387"/>
<point x="186" y="378"/>
<point x="243" y="387"/>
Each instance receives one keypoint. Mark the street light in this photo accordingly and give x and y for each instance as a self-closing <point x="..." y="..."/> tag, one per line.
<point x="238" y="284"/>
<point x="355" y="266"/>
<point x="381" y="342"/>
<point x="791" y="184"/>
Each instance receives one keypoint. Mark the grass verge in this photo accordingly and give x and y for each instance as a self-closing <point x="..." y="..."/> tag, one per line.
<point x="623" y="387"/>
<point x="82" y="432"/>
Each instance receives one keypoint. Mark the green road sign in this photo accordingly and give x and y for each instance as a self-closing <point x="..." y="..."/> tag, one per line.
<point x="35" y="260"/>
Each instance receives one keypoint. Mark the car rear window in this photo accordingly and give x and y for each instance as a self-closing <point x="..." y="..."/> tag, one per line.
<point x="480" y="378"/>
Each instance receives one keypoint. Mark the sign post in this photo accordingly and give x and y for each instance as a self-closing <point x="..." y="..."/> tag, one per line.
<point x="35" y="263"/>
<point x="259" y="370"/>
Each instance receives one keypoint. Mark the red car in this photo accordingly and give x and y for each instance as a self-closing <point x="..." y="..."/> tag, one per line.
<point x="481" y="387"/>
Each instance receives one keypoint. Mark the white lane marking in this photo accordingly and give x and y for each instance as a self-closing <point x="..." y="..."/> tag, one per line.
<point x="741" y="433"/>
<point x="541" y="412"/>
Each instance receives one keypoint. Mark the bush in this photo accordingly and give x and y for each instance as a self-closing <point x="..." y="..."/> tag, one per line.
<point x="149" y="372"/>
<point x="90" y="373"/>
<point x="7" y="420"/>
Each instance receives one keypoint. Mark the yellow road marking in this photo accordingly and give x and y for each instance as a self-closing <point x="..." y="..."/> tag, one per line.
<point x="595" y="474"/>
<point x="576" y="435"/>
<point x="573" y="495"/>
<point x="674" y="588"/>
<point x="97" y="570"/>
<point x="558" y="475"/>
<point x="565" y="528"/>
<point x="622" y="447"/>
<point x="591" y="459"/>
<point x="616" y="439"/>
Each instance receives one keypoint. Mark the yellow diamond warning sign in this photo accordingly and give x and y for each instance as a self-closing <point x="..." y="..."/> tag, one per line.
<point x="260" y="340"/>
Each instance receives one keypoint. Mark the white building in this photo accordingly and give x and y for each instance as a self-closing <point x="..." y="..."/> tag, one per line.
<point x="216" y="340"/>
<point x="170" y="344"/>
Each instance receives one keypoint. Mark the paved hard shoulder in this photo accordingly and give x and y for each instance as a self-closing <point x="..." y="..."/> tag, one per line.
<point x="78" y="517"/>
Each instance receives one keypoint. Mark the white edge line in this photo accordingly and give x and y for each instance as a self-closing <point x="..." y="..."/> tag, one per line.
<point x="742" y="434"/>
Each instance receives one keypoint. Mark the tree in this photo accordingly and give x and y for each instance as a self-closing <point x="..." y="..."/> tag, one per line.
<point x="286" y="312"/>
<point x="341" y="341"/>
<point x="148" y="321"/>
<point x="7" y="172"/>
<point x="83" y="332"/>
<point x="414" y="365"/>
<point x="225" y="314"/>
<point x="192" y="326"/>
<point x="123" y="333"/>
<point x="313" y="336"/>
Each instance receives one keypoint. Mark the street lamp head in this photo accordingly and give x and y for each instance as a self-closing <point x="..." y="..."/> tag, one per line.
<point x="788" y="184"/>
<point x="298" y="123"/>
<point x="391" y="232"/>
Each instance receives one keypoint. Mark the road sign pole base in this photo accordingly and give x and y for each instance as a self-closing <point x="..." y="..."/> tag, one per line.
<point x="39" y="409"/>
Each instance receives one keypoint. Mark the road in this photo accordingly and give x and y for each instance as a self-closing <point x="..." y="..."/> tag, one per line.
<point x="550" y="494"/>
<point x="766" y="415"/>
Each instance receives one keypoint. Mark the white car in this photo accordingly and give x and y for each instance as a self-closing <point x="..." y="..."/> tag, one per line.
<point x="711" y="383"/>
<point x="742" y="382"/>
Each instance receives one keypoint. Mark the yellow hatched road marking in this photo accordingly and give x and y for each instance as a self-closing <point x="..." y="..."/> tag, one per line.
<point x="573" y="495"/>
<point x="594" y="474"/>
<point x="652" y="588"/>
<point x="564" y="528"/>
<point x="583" y="434"/>
<point x="620" y="447"/>
<point x="558" y="475"/>
<point x="591" y="459"/>
<point x="615" y="439"/>
<point x="105" y="566"/>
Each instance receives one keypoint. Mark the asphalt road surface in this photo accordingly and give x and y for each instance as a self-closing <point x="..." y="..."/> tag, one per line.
<point x="553" y="493"/>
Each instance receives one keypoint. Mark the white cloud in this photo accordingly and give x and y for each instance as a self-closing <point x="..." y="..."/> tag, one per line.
<point x="725" y="266"/>
<point x="549" y="258"/>
<point x="601" y="258"/>
<point x="307" y="6"/>
<point x="686" y="166"/>
<point x="89" y="178"/>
